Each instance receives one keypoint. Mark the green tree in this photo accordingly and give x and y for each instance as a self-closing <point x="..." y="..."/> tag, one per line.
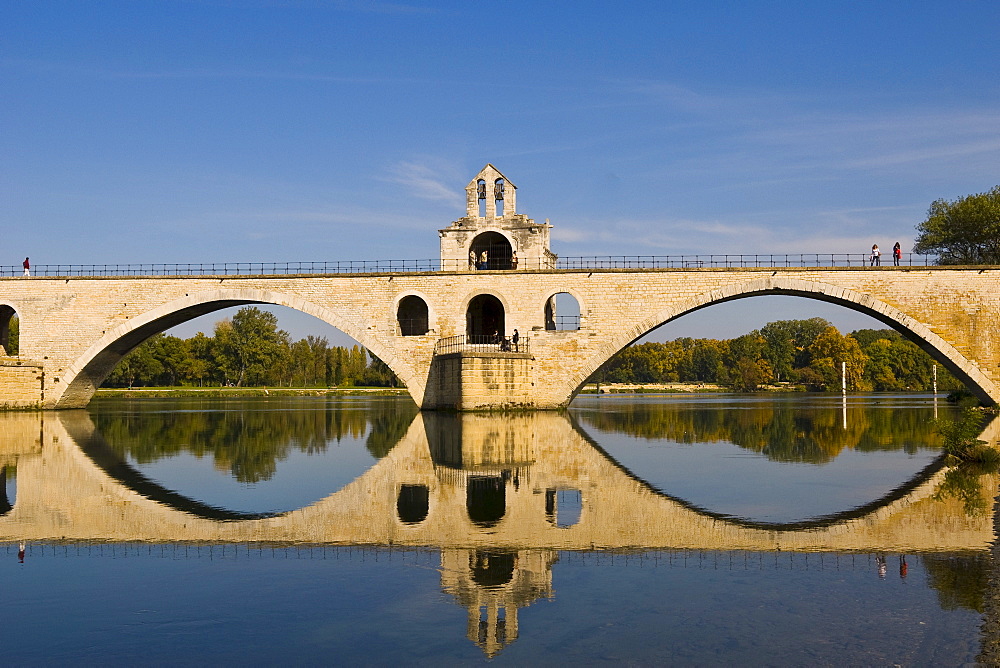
<point x="13" y="336"/>
<point x="139" y="367"/>
<point x="788" y="343"/>
<point x="828" y="351"/>
<point x="748" y="369"/>
<point x="197" y="365"/>
<point x="966" y="231"/>
<point x="250" y="346"/>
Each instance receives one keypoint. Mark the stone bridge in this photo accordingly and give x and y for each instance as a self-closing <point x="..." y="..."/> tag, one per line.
<point x="74" y="330"/>
<point x="496" y="274"/>
<point x="465" y="481"/>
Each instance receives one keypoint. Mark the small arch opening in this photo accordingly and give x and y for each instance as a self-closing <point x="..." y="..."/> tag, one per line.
<point x="492" y="569"/>
<point x="413" y="503"/>
<point x="497" y="251"/>
<point x="562" y="312"/>
<point x="10" y="339"/>
<point x="411" y="314"/>
<point x="484" y="320"/>
<point x="486" y="500"/>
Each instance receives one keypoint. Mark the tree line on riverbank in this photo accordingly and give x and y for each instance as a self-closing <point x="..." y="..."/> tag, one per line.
<point x="248" y="350"/>
<point x="805" y="353"/>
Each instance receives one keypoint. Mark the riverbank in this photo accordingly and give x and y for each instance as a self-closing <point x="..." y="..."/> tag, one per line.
<point x="660" y="388"/>
<point x="156" y="392"/>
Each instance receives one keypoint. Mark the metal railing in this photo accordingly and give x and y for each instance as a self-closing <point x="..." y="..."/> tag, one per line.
<point x="817" y="260"/>
<point x="738" y="261"/>
<point x="563" y="323"/>
<point x="480" y="344"/>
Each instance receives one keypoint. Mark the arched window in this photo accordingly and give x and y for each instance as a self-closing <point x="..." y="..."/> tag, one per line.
<point x="484" y="321"/>
<point x="412" y="503"/>
<point x="562" y="312"/>
<point x="9" y="331"/>
<point x="412" y="316"/>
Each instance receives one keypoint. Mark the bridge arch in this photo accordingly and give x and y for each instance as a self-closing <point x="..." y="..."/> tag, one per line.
<point x="85" y="375"/>
<point x="942" y="351"/>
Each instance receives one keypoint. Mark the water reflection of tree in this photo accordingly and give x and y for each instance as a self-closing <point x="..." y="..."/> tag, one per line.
<point x="964" y="482"/>
<point x="960" y="580"/>
<point x="778" y="430"/>
<point x="249" y="443"/>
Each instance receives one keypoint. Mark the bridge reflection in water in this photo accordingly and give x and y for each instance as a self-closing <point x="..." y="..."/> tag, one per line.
<point x="500" y="497"/>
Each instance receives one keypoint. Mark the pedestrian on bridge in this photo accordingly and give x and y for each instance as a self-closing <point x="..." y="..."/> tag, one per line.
<point x="897" y="253"/>
<point x="876" y="258"/>
<point x="27" y="267"/>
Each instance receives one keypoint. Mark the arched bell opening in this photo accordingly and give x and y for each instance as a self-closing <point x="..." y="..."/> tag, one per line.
<point x="486" y="500"/>
<point x="498" y="193"/>
<point x="9" y="332"/>
<point x="411" y="314"/>
<point x="497" y="248"/>
<point x="412" y="503"/>
<point x="485" y="320"/>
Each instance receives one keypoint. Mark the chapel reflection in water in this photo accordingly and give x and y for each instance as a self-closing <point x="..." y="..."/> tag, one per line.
<point x="484" y="490"/>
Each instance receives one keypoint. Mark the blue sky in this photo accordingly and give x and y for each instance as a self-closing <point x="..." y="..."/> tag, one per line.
<point x="270" y="130"/>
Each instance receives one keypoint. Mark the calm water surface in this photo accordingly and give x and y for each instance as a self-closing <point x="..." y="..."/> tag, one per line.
<point x="674" y="529"/>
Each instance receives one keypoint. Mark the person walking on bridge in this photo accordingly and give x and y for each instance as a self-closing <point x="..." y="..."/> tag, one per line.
<point x="897" y="253"/>
<point x="27" y="267"/>
<point x="876" y="258"/>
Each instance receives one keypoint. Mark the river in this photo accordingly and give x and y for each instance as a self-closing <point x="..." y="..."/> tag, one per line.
<point x="686" y="529"/>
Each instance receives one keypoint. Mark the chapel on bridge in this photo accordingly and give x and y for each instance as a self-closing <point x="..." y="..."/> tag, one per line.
<point x="493" y="226"/>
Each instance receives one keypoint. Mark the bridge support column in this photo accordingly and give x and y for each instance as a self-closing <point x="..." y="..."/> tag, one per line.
<point x="473" y="380"/>
<point x="22" y="384"/>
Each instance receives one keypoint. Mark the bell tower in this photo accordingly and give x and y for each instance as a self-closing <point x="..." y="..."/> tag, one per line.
<point x="492" y="235"/>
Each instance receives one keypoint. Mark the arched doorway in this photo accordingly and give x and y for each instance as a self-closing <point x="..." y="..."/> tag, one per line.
<point x="412" y="316"/>
<point x="497" y="247"/>
<point x="484" y="320"/>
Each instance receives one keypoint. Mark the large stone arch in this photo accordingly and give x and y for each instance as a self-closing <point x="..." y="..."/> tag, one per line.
<point x="85" y="375"/>
<point x="942" y="351"/>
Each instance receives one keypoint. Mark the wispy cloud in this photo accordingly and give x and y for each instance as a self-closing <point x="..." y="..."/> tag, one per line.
<point x="429" y="180"/>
